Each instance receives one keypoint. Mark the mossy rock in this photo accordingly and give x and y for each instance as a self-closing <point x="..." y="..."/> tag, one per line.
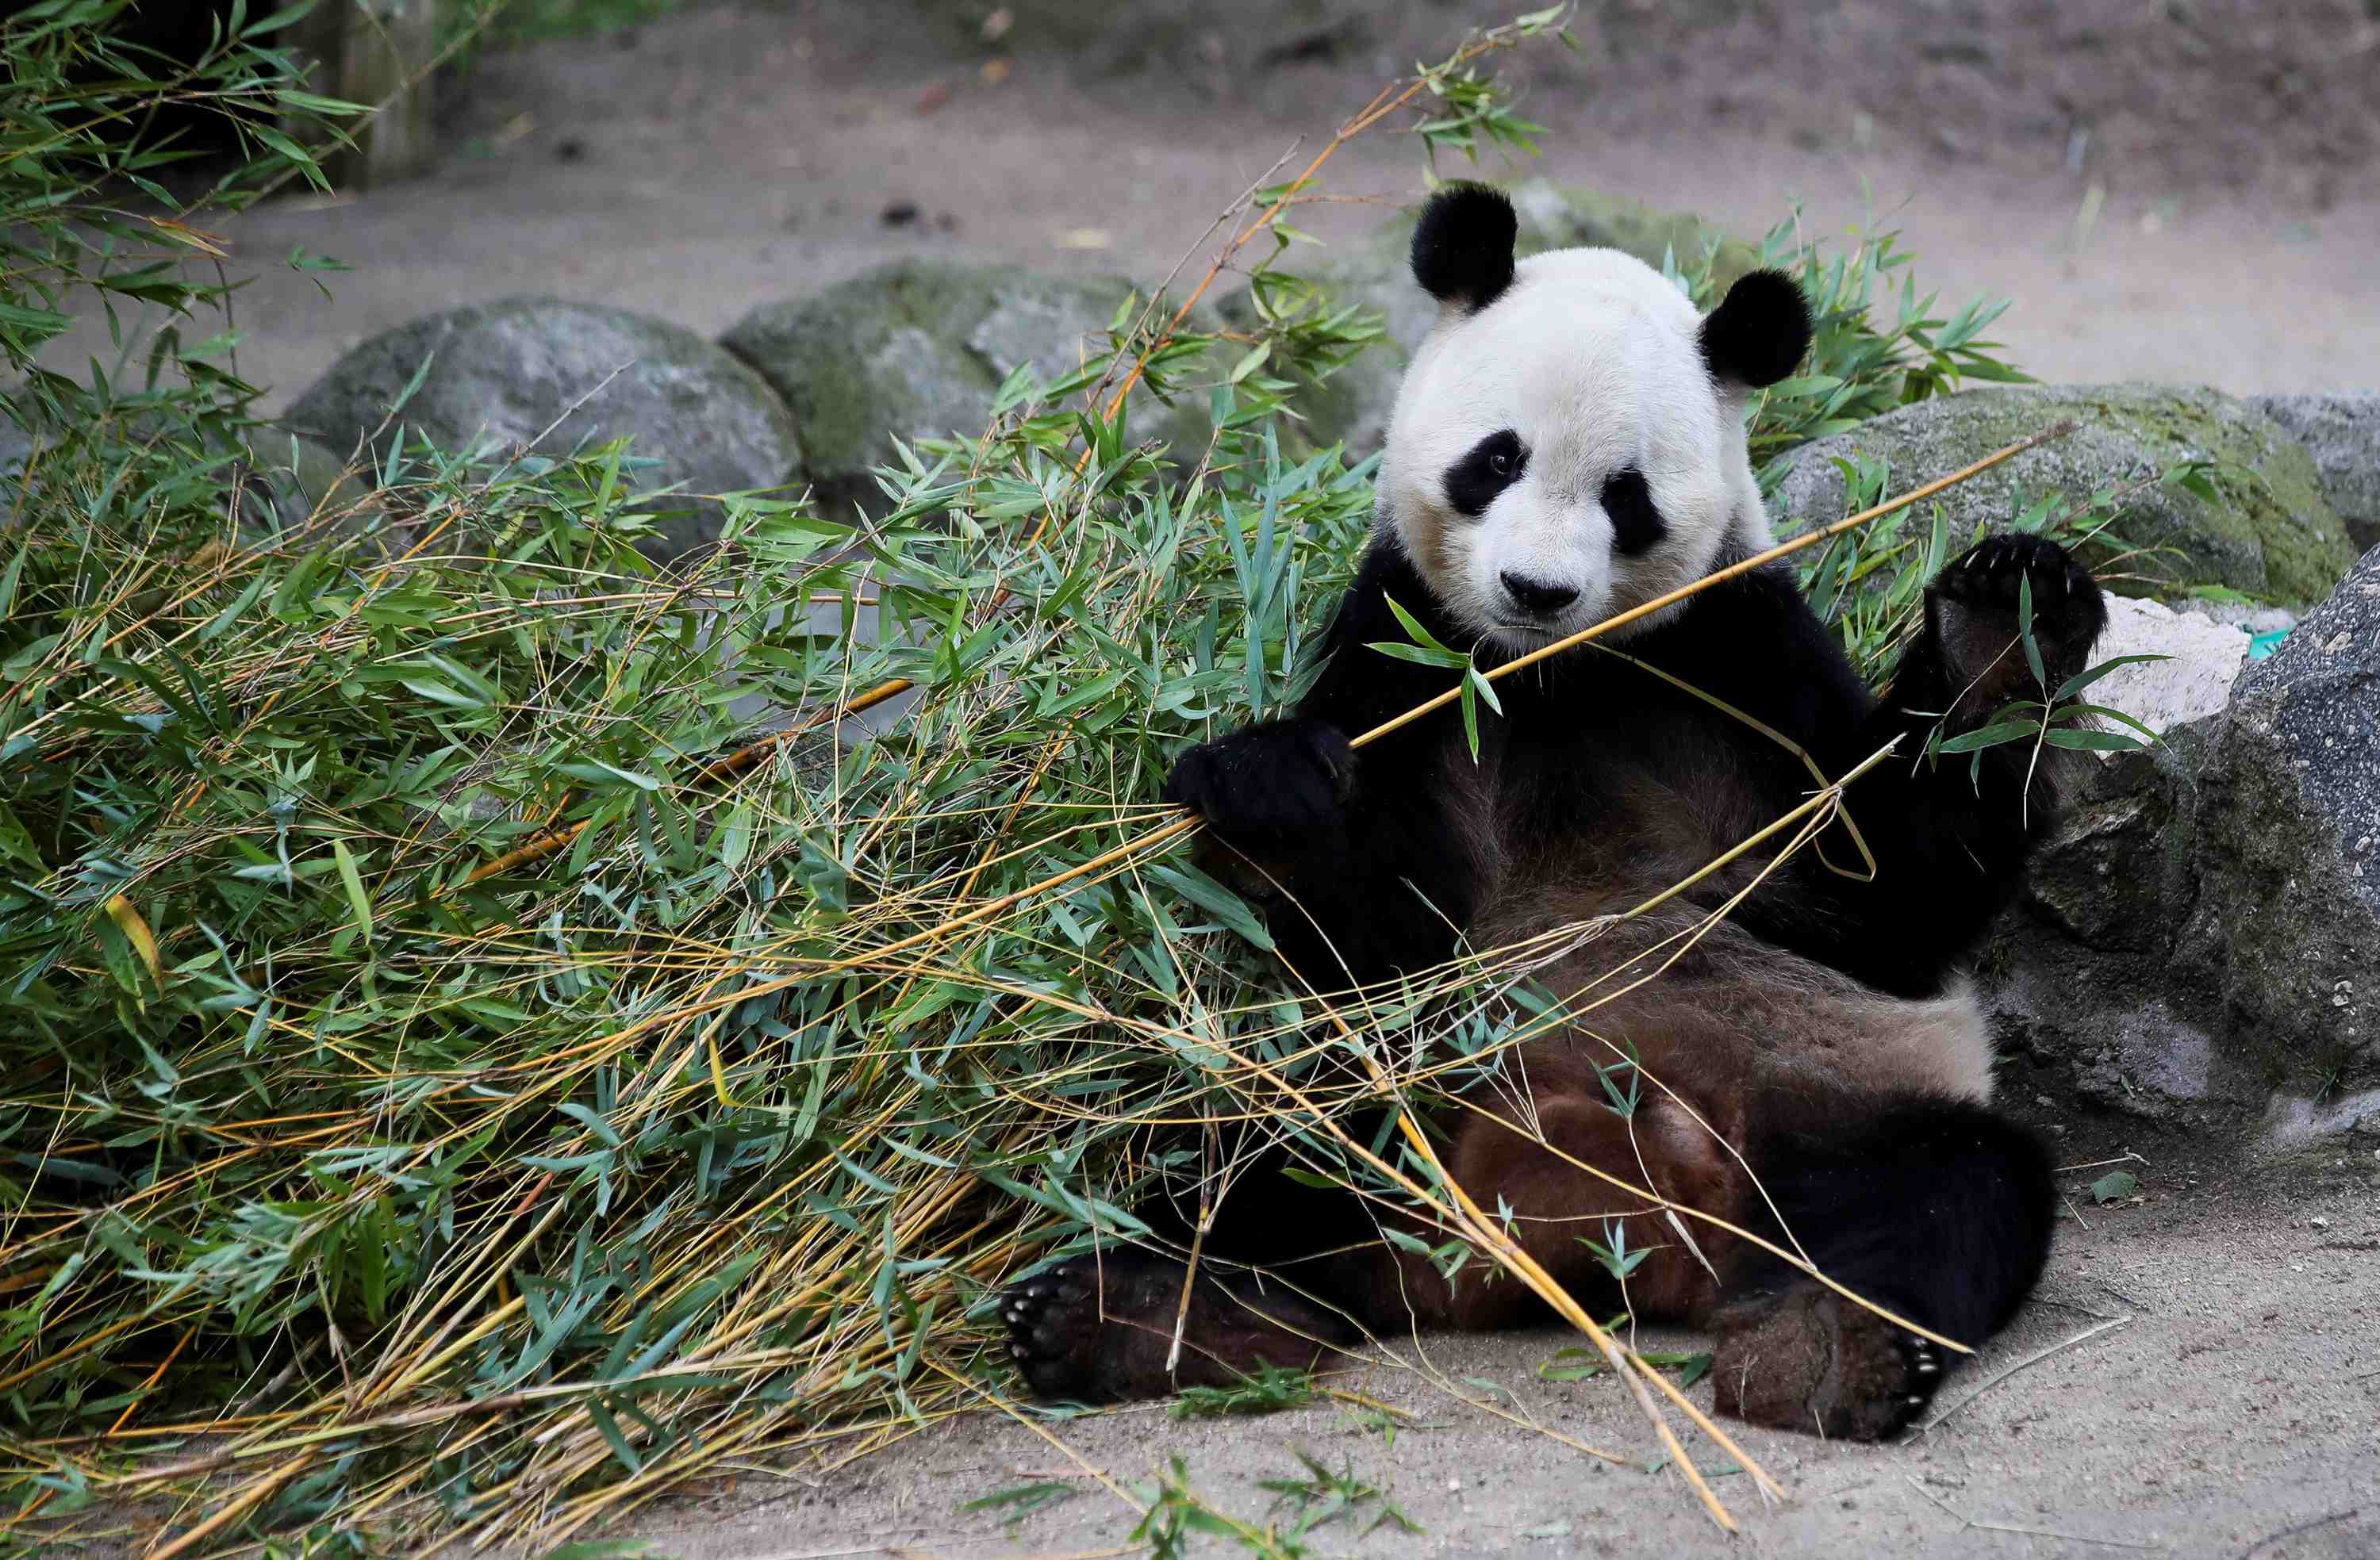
<point x="2268" y="530"/>
<point x="918" y="349"/>
<point x="501" y="374"/>
<point x="2342" y="433"/>
<point x="1356" y="403"/>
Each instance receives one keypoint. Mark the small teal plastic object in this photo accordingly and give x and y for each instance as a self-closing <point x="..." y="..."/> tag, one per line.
<point x="2265" y="644"/>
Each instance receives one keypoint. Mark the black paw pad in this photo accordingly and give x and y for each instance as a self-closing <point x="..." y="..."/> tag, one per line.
<point x="1053" y="1330"/>
<point x="1976" y="608"/>
<point x="1993" y="572"/>
<point x="1268" y="783"/>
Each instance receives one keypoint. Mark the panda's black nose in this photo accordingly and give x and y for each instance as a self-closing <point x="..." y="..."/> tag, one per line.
<point x="1535" y="597"/>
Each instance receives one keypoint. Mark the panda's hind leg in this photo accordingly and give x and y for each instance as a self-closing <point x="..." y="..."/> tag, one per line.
<point x="1290" y="1276"/>
<point x="1936" y="1209"/>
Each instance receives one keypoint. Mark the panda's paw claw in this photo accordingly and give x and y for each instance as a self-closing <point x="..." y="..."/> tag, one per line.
<point x="1991" y="577"/>
<point x="1053" y="1327"/>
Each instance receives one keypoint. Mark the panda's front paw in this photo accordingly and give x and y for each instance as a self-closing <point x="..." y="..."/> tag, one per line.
<point x="1992" y="573"/>
<point x="1274" y="783"/>
<point x="1975" y="606"/>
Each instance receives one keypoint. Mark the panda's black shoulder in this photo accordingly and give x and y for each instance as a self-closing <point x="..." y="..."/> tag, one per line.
<point x="1360" y="687"/>
<point x="1386" y="574"/>
<point x="1754" y="640"/>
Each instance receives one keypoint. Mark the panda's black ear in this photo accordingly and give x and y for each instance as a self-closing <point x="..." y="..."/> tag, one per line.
<point x="1462" y="246"/>
<point x="1758" y="332"/>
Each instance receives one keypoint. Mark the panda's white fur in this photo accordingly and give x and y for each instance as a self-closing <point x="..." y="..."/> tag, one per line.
<point x="1591" y="357"/>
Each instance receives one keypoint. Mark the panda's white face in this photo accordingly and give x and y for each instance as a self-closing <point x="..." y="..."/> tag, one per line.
<point x="1565" y="453"/>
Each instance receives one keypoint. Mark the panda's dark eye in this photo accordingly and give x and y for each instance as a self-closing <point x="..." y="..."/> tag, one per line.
<point x="1485" y="469"/>
<point x="1636" y="524"/>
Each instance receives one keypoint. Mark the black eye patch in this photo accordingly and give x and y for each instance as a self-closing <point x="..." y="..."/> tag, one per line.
<point x="1636" y="525"/>
<point x="1487" y="468"/>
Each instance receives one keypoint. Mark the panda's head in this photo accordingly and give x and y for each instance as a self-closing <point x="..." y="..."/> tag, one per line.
<point x="1570" y="439"/>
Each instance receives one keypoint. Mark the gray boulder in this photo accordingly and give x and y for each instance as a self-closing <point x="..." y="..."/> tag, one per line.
<point x="1354" y="404"/>
<point x="2203" y="656"/>
<point x="502" y="373"/>
<point x="2269" y="531"/>
<point x="918" y="349"/>
<point x="2287" y="924"/>
<point x="2342" y="434"/>
<point x="296" y="482"/>
<point x="2201" y="940"/>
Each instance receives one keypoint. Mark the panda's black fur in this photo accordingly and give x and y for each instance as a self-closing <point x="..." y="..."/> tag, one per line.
<point x="1462" y="246"/>
<point x="1822" y="1030"/>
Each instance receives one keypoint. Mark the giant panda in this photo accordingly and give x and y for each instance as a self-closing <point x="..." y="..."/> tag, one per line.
<point x="1568" y="443"/>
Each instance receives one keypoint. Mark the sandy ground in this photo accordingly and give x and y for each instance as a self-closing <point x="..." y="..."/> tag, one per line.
<point x="739" y="155"/>
<point x="2223" y="1400"/>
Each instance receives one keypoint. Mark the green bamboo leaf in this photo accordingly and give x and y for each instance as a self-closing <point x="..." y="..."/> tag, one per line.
<point x="357" y="900"/>
<point x="1486" y="689"/>
<point x="609" y="1428"/>
<point x="2082" y="679"/>
<point x="2024" y="630"/>
<point x="1990" y="736"/>
<point x="1419" y="634"/>
<point x="2079" y="711"/>
<point x="1215" y="898"/>
<point x="1420" y="654"/>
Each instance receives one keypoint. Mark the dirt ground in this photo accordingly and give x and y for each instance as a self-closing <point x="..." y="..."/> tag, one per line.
<point x="2148" y="222"/>
<point x="2178" y="191"/>
<point x="2198" y="1376"/>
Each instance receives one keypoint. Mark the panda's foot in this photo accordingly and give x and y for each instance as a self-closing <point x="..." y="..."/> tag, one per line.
<point x="1808" y="1360"/>
<point x="1056" y="1322"/>
<point x="1977" y="609"/>
<point x="1102" y="1330"/>
<point x="1268" y="784"/>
